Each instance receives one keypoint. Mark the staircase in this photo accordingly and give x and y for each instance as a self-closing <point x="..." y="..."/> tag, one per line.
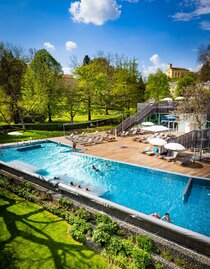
<point x="129" y="122"/>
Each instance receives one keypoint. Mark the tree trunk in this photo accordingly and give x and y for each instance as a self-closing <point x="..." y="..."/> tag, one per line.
<point x="106" y="110"/>
<point x="89" y="109"/>
<point x="49" y="113"/>
<point x="21" y="119"/>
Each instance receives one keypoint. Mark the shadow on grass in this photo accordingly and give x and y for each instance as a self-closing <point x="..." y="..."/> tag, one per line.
<point x="58" y="250"/>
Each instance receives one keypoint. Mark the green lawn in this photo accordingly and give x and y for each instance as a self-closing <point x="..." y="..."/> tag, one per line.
<point x="28" y="135"/>
<point x="33" y="238"/>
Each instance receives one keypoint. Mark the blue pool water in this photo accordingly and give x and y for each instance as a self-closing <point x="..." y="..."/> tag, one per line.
<point x="139" y="188"/>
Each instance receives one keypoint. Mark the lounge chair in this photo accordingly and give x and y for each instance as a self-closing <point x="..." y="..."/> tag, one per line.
<point x="172" y="157"/>
<point x="187" y="159"/>
<point x="153" y="152"/>
<point x="146" y="149"/>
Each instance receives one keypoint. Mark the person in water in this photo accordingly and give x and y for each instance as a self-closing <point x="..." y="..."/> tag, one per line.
<point x="155" y="215"/>
<point x="94" y="168"/>
<point x="166" y="217"/>
<point x="107" y="165"/>
<point x="71" y="183"/>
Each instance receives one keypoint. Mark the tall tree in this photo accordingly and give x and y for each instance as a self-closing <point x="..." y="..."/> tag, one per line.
<point x="86" y="83"/>
<point x="46" y="72"/>
<point x="12" y="70"/>
<point x="129" y="86"/>
<point x="103" y="83"/>
<point x="157" y="86"/>
<point x="195" y="103"/>
<point x="204" y="59"/>
<point x="183" y="83"/>
<point x="33" y="100"/>
<point x="69" y="96"/>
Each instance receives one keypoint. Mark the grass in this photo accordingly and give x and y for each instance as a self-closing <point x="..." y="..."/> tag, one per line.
<point x="33" y="238"/>
<point x="35" y="134"/>
<point x="28" y="135"/>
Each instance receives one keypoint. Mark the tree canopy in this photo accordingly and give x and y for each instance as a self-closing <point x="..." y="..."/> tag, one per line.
<point x="195" y="103"/>
<point x="157" y="86"/>
<point x="204" y="59"/>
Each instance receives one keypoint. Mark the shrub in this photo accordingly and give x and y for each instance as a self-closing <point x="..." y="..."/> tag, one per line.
<point x="127" y="246"/>
<point x="101" y="237"/>
<point x="114" y="246"/>
<point x="67" y="204"/>
<point x="82" y="225"/>
<point x="166" y="255"/>
<point x="82" y="214"/>
<point x="102" y="218"/>
<point x="159" y="266"/>
<point x="180" y="262"/>
<point x="141" y="258"/>
<point x="144" y="243"/>
<point x="77" y="235"/>
<point x="122" y="261"/>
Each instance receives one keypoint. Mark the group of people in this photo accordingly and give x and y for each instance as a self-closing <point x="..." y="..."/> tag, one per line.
<point x="78" y="186"/>
<point x="97" y="170"/>
<point x="166" y="217"/>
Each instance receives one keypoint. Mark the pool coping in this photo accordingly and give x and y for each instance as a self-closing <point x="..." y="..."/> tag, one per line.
<point x="194" y="240"/>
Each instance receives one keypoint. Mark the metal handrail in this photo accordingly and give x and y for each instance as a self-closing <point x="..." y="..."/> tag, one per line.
<point x="131" y="120"/>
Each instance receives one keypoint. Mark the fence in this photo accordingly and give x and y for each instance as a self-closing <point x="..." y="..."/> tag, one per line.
<point x="195" y="139"/>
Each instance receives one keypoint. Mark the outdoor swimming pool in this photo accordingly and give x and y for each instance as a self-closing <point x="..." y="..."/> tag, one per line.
<point x="139" y="188"/>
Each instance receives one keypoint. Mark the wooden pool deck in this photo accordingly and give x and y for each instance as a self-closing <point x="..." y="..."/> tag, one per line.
<point x="129" y="151"/>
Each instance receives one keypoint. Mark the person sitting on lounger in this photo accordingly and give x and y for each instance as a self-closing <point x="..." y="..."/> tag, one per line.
<point x="153" y="152"/>
<point x="155" y="215"/>
<point x="166" y="217"/>
<point x="164" y="153"/>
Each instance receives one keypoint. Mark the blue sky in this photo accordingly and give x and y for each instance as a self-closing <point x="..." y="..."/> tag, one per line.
<point x="156" y="32"/>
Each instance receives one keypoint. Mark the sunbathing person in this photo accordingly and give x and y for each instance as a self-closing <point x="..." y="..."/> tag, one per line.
<point x="155" y="215"/>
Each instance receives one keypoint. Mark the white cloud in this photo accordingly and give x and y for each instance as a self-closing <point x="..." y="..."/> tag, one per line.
<point x="48" y="45"/>
<point x="94" y="11"/>
<point x="205" y="25"/>
<point x="156" y="64"/>
<point x="67" y="70"/>
<point x="201" y="7"/>
<point x="70" y="45"/>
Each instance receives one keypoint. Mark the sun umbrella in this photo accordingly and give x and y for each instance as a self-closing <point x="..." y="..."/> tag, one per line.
<point x="157" y="141"/>
<point x="155" y="128"/>
<point x="174" y="146"/>
<point x="14" y="133"/>
<point x="167" y="99"/>
<point x="179" y="98"/>
<point x="147" y="123"/>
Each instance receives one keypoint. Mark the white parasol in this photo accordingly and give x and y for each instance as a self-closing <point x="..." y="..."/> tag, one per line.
<point x="179" y="98"/>
<point x="14" y="133"/>
<point x="157" y="141"/>
<point x="174" y="147"/>
<point x="167" y="99"/>
<point x="147" y="123"/>
<point x="155" y="128"/>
